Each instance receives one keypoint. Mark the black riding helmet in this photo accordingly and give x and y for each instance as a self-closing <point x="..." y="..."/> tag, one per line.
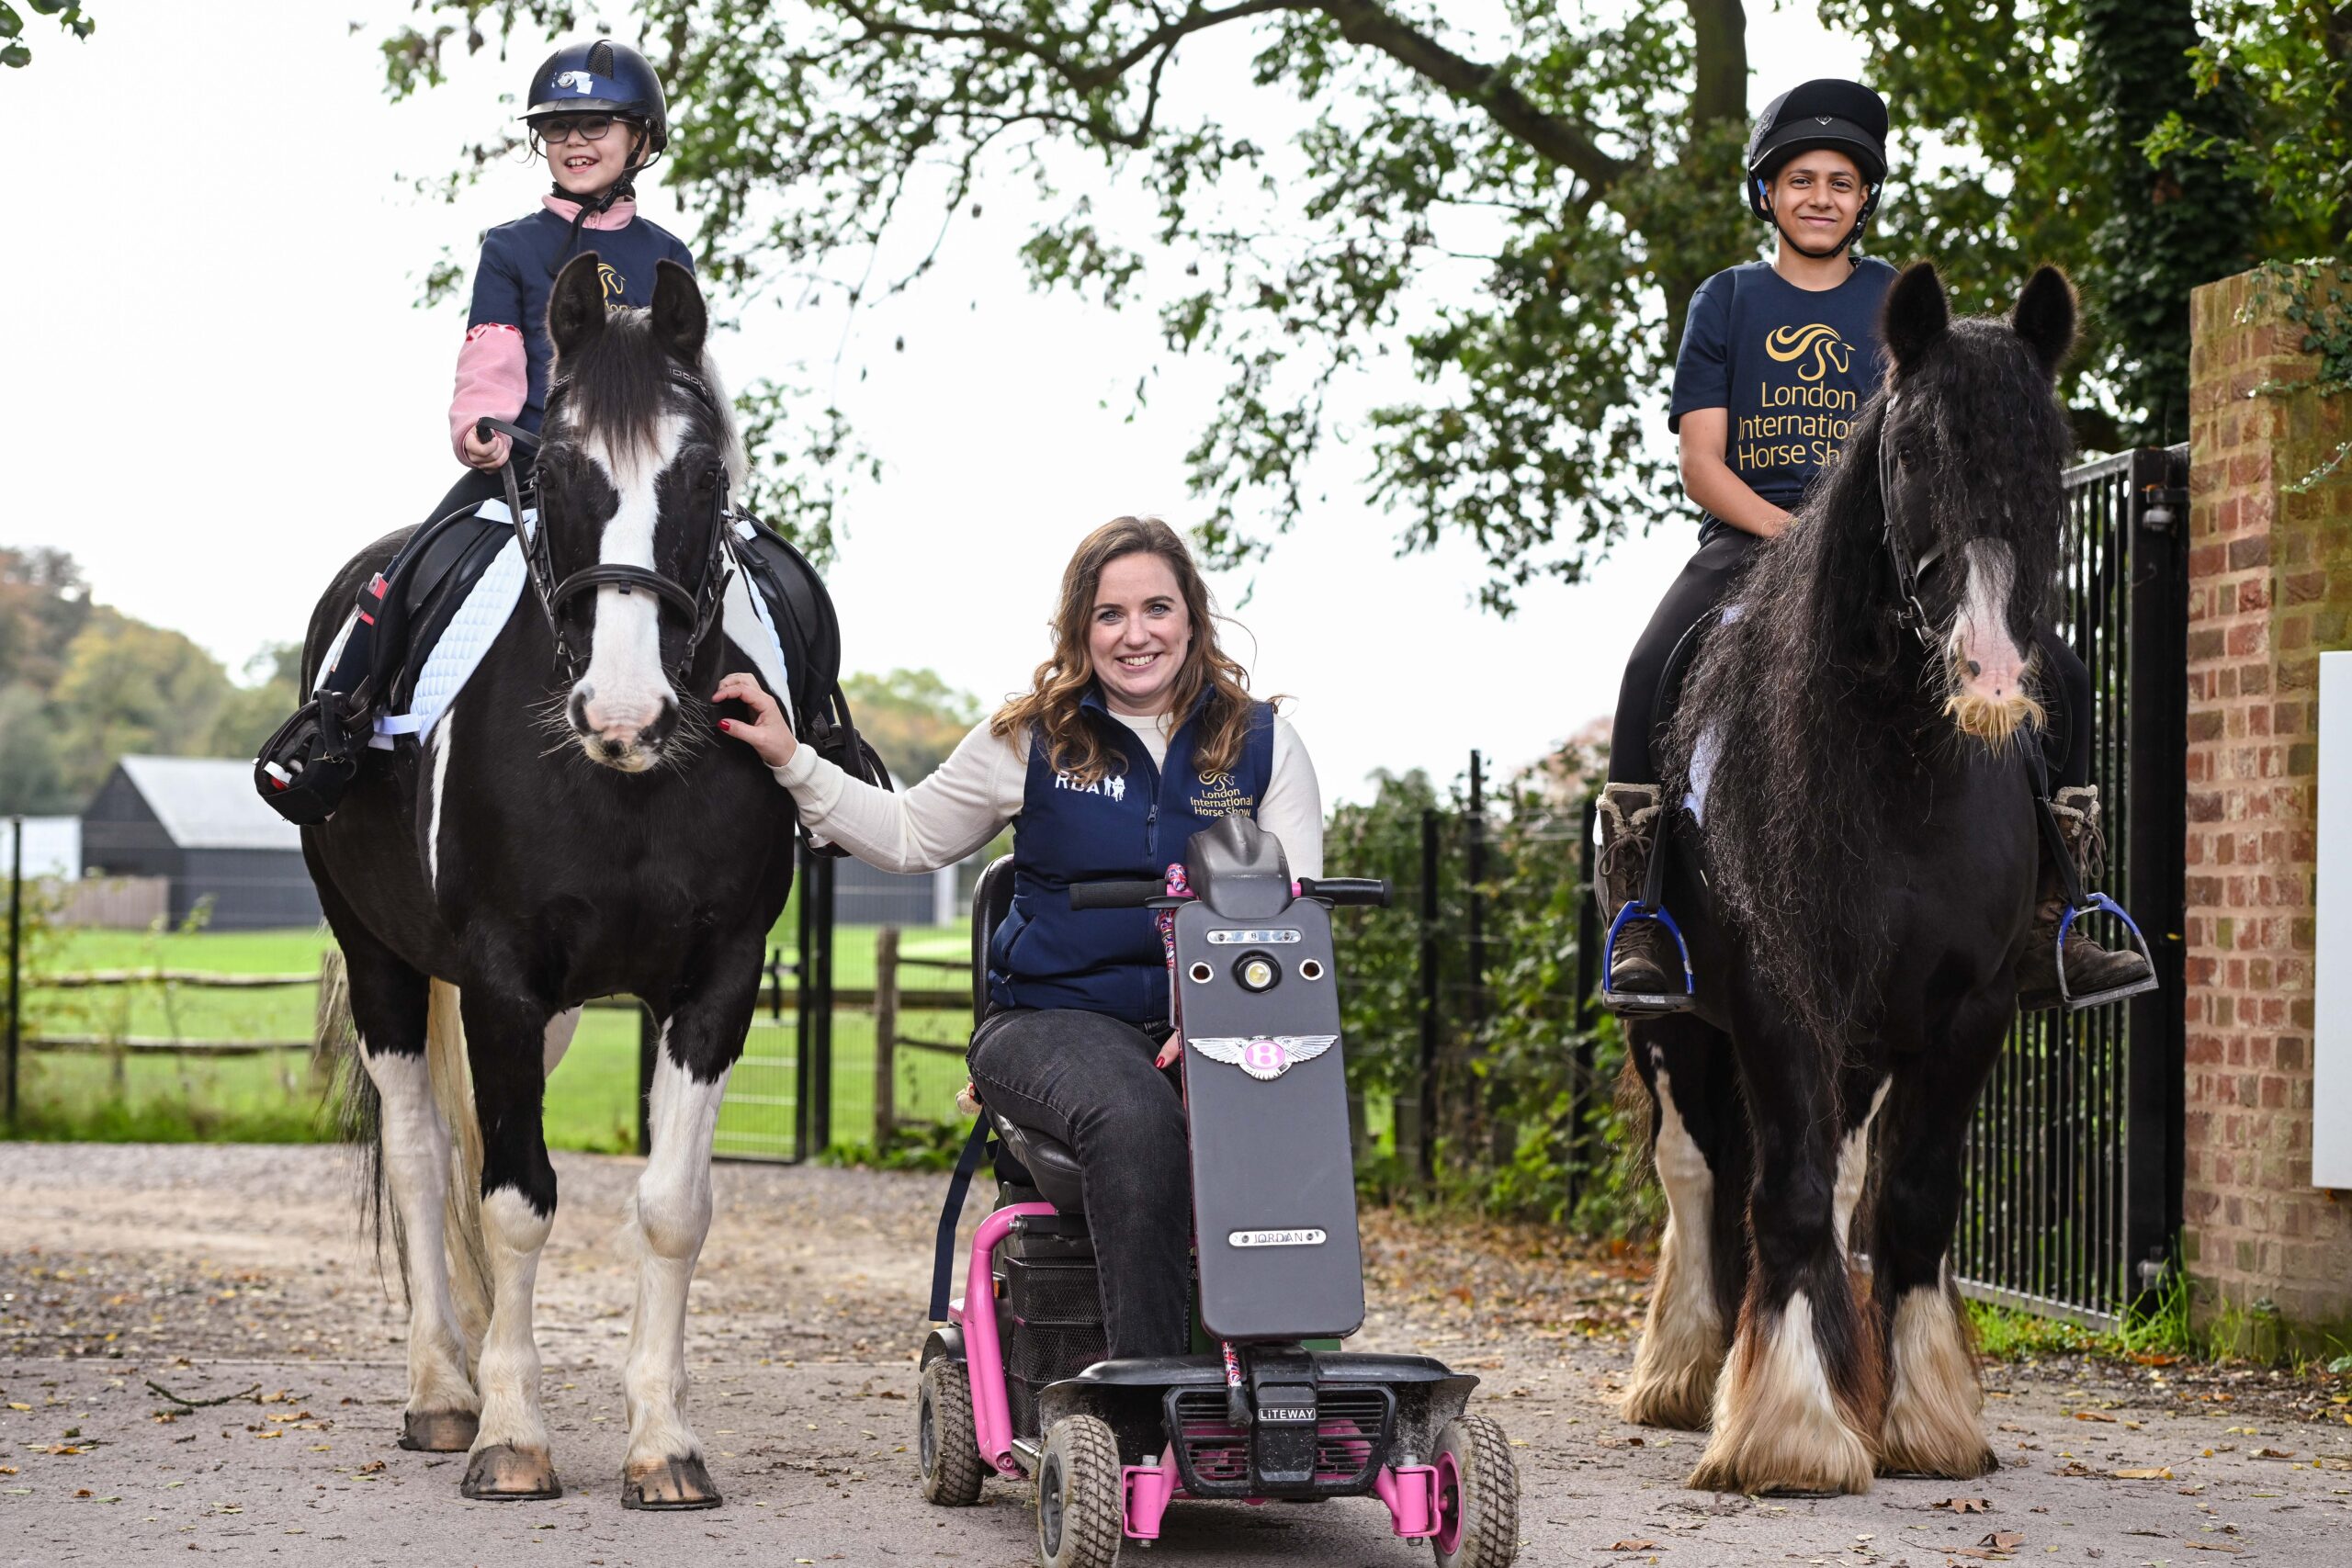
<point x="600" y="77"/>
<point x="1826" y="112"/>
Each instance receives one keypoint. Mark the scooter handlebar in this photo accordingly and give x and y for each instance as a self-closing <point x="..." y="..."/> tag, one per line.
<point x="1372" y="890"/>
<point x="1115" y="895"/>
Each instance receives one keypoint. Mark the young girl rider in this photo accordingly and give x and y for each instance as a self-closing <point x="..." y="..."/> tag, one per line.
<point x="1137" y="732"/>
<point x="597" y="115"/>
<point x="1777" y="359"/>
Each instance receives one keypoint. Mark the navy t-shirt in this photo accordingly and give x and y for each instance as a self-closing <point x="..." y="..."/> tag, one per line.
<point x="517" y="272"/>
<point x="1789" y="365"/>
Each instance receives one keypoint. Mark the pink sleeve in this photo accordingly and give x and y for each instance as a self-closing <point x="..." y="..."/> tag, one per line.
<point x="493" y="377"/>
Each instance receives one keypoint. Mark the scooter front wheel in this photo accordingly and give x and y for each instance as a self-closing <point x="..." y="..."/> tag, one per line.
<point x="1478" y="1486"/>
<point x="946" y="1446"/>
<point x="1081" y="1518"/>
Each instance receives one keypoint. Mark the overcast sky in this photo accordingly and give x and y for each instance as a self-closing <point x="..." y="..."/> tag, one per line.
<point x="217" y="388"/>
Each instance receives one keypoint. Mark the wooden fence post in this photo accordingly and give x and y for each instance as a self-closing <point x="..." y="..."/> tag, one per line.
<point x="886" y="1036"/>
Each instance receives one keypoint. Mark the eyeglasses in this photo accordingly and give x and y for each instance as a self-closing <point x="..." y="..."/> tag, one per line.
<point x="555" y="129"/>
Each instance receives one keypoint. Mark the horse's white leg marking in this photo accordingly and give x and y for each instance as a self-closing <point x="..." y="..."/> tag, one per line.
<point x="1854" y="1167"/>
<point x="1778" y="1425"/>
<point x="627" y="689"/>
<point x="671" y="1216"/>
<point x="439" y="741"/>
<point x="1682" y="1339"/>
<point x="560" y="1031"/>
<point x="510" y="1352"/>
<point x="1935" y="1404"/>
<point x="417" y="1166"/>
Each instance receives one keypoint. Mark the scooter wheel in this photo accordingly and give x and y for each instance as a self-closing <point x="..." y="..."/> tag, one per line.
<point x="1477" y="1487"/>
<point x="1081" y="1518"/>
<point x="946" y="1446"/>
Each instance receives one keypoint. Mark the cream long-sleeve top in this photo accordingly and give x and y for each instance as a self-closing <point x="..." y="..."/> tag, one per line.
<point x="970" y="798"/>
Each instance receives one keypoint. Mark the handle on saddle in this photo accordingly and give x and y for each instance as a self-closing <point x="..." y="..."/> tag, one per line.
<point x="1373" y="890"/>
<point x="1134" y="895"/>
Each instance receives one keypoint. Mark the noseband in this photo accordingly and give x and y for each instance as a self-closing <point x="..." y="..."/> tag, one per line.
<point x="1908" y="569"/>
<point x="699" y="606"/>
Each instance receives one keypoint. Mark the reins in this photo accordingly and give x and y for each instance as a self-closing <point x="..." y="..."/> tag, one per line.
<point x="699" y="607"/>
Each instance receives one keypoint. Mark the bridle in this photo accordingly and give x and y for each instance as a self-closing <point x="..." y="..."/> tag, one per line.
<point x="1908" y="569"/>
<point x="700" y="606"/>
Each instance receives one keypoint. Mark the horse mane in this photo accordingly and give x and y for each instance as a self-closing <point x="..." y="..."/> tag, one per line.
<point x="1814" y="718"/>
<point x="619" y="390"/>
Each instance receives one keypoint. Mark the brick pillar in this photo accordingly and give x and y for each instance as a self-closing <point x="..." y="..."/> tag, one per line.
<point x="2270" y="588"/>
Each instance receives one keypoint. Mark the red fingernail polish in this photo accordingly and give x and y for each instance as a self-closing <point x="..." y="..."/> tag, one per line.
<point x="723" y="724"/>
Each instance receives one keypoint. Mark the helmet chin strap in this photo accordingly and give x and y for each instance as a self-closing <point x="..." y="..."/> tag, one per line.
<point x="1797" y="245"/>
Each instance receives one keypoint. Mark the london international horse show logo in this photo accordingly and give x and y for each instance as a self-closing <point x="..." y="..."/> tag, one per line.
<point x="1820" y="340"/>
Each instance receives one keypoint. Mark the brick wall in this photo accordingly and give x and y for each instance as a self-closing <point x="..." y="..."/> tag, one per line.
<point x="2270" y="588"/>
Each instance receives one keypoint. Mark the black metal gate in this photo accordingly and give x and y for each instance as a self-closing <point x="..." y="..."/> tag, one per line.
<point x="779" y="1098"/>
<point x="2075" y="1161"/>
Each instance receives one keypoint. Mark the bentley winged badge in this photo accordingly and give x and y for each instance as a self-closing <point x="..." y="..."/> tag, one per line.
<point x="1264" y="1056"/>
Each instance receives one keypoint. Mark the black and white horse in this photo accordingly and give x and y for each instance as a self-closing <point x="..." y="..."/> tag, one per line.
<point x="1858" y="892"/>
<point x="566" y="829"/>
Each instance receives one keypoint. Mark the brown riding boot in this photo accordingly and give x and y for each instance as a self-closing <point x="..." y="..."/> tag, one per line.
<point x="1647" y="963"/>
<point x="2091" y="970"/>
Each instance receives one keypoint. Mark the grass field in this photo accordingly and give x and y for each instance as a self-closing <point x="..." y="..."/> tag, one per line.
<point x="276" y="1098"/>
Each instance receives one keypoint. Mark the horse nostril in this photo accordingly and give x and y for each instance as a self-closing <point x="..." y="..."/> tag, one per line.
<point x="1975" y="667"/>
<point x="576" y="709"/>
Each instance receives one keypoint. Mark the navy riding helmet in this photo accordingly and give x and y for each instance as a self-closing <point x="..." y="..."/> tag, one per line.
<point x="1826" y="112"/>
<point x="601" y="77"/>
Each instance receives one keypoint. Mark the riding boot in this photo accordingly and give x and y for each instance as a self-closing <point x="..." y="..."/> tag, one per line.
<point x="2091" y="970"/>
<point x="1645" y="961"/>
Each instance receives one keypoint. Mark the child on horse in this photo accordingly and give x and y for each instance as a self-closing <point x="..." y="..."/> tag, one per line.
<point x="597" y="115"/>
<point x="1777" y="359"/>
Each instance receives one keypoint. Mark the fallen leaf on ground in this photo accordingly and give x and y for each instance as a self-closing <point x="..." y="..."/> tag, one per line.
<point x="2004" y="1541"/>
<point x="2093" y="1415"/>
<point x="1628" y="1546"/>
<point x="2212" y="1546"/>
<point x="2157" y="1472"/>
<point x="2274" y="1453"/>
<point x="1965" y="1504"/>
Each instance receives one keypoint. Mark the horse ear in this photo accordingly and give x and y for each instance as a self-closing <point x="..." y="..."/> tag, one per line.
<point x="2045" y="317"/>
<point x="1915" y="315"/>
<point x="576" y="308"/>
<point x="681" y="322"/>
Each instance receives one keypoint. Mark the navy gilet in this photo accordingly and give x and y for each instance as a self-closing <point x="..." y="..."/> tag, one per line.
<point x="518" y="273"/>
<point x="1129" y="824"/>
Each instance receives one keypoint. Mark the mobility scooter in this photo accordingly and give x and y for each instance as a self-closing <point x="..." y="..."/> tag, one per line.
<point x="1268" y="1408"/>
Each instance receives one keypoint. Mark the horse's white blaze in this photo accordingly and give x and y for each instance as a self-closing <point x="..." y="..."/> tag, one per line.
<point x="627" y="688"/>
<point x="1682" y="1339"/>
<point x="1854" y="1168"/>
<point x="1778" y="1425"/>
<point x="1993" y="667"/>
<point x="509" y="1369"/>
<point x="557" y="1040"/>
<point x="669" y="1217"/>
<point x="1934" y="1404"/>
<point x="416" y="1168"/>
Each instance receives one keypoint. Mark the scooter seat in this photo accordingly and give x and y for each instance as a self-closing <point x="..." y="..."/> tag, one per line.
<point x="1053" y="1169"/>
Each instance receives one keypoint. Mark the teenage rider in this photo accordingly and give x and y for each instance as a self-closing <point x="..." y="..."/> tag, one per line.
<point x="1777" y="359"/>
<point x="1138" y="732"/>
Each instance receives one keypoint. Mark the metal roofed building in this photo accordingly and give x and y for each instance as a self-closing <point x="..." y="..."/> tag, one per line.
<point x="196" y="822"/>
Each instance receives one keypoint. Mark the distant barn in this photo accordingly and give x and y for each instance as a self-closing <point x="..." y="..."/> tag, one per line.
<point x="196" y="822"/>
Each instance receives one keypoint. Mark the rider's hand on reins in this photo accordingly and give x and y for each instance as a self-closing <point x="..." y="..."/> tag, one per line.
<point x="490" y="454"/>
<point x="767" y="734"/>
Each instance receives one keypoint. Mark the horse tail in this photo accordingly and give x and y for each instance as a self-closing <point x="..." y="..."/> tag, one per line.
<point x="358" y="1108"/>
<point x="453" y="1096"/>
<point x="1637" y="1112"/>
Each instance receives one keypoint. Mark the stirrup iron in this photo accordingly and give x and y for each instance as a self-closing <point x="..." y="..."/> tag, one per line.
<point x="1646" y="1004"/>
<point x="2101" y="902"/>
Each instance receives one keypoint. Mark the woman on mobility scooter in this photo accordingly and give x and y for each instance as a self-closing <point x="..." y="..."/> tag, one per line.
<point x="1152" y="802"/>
<point x="1137" y="731"/>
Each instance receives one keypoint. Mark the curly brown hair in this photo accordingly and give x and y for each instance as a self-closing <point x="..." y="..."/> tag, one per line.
<point x="1050" y="707"/>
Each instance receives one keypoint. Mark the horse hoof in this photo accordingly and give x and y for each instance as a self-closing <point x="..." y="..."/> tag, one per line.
<point x="503" y="1475"/>
<point x="439" y="1431"/>
<point x="670" y="1483"/>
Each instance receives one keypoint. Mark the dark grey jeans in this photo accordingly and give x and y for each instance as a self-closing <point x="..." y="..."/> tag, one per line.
<point x="1088" y="1080"/>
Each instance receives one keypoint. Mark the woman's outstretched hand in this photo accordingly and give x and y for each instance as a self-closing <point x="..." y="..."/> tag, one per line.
<point x="1170" y="1049"/>
<point x="767" y="734"/>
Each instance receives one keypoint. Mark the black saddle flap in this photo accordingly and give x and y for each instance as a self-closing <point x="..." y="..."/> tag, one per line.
<point x="811" y="634"/>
